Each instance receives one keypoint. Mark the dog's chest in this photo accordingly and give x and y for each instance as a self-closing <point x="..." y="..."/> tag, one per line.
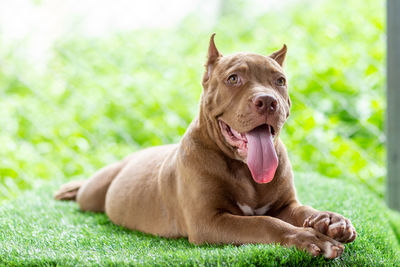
<point x="251" y="201"/>
<point x="249" y="211"/>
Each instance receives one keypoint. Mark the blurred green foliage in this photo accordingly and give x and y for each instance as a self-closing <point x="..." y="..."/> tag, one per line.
<point x="99" y="99"/>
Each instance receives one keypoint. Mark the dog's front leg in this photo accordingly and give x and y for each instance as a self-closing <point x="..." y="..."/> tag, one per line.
<point x="234" y="229"/>
<point x="328" y="223"/>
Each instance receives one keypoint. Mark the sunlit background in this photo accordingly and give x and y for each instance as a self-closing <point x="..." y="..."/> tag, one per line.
<point x="85" y="83"/>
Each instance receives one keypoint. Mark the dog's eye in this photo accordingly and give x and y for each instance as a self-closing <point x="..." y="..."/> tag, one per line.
<point x="233" y="79"/>
<point x="281" y="81"/>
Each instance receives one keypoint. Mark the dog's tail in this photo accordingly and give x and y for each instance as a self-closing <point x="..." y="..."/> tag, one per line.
<point x="68" y="191"/>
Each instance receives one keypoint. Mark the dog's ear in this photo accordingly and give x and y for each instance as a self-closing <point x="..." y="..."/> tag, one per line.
<point x="212" y="57"/>
<point x="280" y="55"/>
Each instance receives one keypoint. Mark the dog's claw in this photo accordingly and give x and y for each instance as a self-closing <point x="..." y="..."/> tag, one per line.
<point x="315" y="250"/>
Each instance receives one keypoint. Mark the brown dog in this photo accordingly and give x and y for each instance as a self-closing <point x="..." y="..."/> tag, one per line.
<point x="229" y="180"/>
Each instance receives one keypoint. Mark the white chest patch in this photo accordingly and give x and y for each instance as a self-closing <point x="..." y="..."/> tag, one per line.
<point x="248" y="211"/>
<point x="263" y="209"/>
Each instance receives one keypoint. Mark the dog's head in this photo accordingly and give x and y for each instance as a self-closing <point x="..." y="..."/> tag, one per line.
<point x="246" y="103"/>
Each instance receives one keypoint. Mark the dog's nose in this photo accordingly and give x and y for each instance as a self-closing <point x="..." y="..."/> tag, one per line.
<point x="265" y="103"/>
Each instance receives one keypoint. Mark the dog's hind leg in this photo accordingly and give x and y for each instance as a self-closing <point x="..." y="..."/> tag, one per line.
<point x="90" y="194"/>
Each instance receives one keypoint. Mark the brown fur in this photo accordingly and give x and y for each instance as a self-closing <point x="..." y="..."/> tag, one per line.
<point x="195" y="188"/>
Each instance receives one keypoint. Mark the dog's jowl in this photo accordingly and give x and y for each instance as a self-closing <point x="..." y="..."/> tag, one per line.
<point x="229" y="180"/>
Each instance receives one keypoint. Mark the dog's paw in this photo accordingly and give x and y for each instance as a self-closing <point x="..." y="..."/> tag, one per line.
<point x="333" y="225"/>
<point x="316" y="243"/>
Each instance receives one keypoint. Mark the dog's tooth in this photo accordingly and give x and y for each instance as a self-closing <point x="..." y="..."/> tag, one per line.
<point x="236" y="133"/>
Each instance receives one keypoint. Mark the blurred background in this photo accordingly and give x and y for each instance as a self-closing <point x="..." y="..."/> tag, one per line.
<point x="85" y="83"/>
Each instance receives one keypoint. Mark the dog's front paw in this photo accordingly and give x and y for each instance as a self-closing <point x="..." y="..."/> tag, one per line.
<point x="333" y="225"/>
<point x="316" y="243"/>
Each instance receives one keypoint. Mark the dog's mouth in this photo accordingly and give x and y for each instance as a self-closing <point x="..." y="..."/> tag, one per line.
<point x="256" y="147"/>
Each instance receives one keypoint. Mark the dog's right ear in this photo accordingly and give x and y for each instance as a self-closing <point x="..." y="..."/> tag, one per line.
<point x="213" y="56"/>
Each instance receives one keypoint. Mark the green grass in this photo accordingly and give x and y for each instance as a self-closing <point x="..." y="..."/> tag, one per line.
<point x="36" y="230"/>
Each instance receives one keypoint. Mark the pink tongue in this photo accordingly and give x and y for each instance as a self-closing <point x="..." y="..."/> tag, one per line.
<point x="261" y="155"/>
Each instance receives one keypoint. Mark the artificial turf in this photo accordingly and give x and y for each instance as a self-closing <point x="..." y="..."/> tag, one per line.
<point x="36" y="230"/>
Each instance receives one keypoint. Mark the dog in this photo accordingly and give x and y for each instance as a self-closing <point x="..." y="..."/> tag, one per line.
<point x="229" y="180"/>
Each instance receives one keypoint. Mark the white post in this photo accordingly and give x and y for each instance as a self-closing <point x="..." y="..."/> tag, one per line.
<point x="393" y="104"/>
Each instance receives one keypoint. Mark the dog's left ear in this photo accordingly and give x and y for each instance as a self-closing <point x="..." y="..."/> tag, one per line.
<point x="280" y="55"/>
<point x="212" y="57"/>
